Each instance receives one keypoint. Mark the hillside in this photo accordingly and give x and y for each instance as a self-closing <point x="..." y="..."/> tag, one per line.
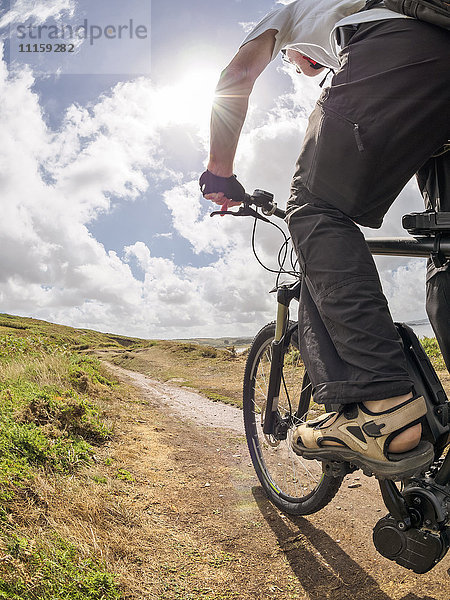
<point x="223" y="342"/>
<point x="54" y="417"/>
<point x="108" y="494"/>
<point x="76" y="339"/>
<point x="62" y="417"/>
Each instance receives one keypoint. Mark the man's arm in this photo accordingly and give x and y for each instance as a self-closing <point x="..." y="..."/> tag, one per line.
<point x="232" y="94"/>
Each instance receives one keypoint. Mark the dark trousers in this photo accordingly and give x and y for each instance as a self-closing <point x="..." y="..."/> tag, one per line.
<point x="386" y="113"/>
<point x="434" y="183"/>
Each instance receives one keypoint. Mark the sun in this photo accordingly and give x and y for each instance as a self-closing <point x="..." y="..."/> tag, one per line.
<point x="188" y="100"/>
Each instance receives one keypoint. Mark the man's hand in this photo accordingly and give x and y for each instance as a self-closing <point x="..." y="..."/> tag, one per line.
<point x="226" y="191"/>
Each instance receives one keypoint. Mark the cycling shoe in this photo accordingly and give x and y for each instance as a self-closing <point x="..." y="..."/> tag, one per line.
<point x="364" y="438"/>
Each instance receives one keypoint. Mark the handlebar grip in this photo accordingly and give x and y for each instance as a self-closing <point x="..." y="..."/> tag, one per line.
<point x="279" y="212"/>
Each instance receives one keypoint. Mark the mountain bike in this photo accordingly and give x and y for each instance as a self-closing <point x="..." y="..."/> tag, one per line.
<point x="278" y="396"/>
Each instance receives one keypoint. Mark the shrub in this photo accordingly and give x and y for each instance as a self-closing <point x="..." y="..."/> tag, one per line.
<point x="434" y="353"/>
<point x="85" y="370"/>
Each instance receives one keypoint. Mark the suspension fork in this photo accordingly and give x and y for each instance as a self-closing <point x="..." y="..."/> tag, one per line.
<point x="284" y="296"/>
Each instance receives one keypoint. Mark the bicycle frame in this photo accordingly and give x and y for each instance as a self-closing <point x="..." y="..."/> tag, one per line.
<point x="416" y="532"/>
<point x="418" y="517"/>
<point x="426" y="381"/>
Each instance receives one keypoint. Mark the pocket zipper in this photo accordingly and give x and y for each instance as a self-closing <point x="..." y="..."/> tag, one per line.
<point x="358" y="139"/>
<point x="356" y="132"/>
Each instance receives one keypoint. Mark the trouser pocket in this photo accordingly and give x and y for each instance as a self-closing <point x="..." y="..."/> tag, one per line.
<point x="335" y="163"/>
<point x="375" y="126"/>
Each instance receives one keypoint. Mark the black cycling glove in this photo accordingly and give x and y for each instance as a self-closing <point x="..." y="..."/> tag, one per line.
<point x="229" y="186"/>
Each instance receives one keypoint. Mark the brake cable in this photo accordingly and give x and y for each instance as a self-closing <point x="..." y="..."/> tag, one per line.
<point x="245" y="210"/>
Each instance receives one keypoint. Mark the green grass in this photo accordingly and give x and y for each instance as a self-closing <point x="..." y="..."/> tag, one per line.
<point x="49" y="426"/>
<point x="434" y="354"/>
<point x="124" y="475"/>
<point x="215" y="397"/>
<point x="44" y="426"/>
<point x="55" y="570"/>
<point x="76" y="339"/>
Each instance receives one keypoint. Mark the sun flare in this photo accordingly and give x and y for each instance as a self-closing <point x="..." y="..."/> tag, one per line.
<point x="188" y="100"/>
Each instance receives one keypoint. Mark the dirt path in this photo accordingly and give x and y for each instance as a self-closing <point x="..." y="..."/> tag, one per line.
<point x="184" y="403"/>
<point x="209" y="531"/>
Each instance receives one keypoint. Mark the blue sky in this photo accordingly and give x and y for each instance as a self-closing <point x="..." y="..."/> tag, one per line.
<point x="103" y="224"/>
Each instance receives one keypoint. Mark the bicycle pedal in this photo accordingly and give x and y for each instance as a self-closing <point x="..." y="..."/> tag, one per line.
<point x="337" y="468"/>
<point x="368" y="472"/>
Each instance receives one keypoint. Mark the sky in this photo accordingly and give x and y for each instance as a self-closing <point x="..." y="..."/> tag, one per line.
<point x="103" y="225"/>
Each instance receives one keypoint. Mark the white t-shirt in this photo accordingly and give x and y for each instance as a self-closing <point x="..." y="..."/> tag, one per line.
<point x="309" y="26"/>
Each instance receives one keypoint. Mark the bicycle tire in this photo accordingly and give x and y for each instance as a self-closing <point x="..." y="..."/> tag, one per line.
<point x="296" y="486"/>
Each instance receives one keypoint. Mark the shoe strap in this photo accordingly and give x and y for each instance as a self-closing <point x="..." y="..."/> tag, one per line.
<point x="388" y="422"/>
<point x="320" y="420"/>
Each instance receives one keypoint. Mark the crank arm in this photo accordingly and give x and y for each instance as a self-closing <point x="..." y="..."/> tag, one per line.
<point x="395" y="503"/>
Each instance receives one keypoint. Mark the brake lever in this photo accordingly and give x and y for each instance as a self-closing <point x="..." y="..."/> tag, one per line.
<point x="244" y="211"/>
<point x="225" y="212"/>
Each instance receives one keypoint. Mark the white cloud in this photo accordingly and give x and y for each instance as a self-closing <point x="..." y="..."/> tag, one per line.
<point x="49" y="258"/>
<point x="405" y="288"/>
<point x="38" y="10"/>
<point x="247" y="26"/>
<point x="54" y="183"/>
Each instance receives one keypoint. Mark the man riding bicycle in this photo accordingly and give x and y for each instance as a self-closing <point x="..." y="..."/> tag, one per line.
<point x="384" y="117"/>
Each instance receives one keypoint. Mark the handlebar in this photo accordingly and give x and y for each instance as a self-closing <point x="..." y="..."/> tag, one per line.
<point x="260" y="199"/>
<point x="437" y="246"/>
<point x="264" y="200"/>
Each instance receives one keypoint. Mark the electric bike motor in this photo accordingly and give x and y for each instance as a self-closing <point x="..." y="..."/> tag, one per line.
<point x="416" y="549"/>
<point x="422" y="540"/>
<point x="415" y="534"/>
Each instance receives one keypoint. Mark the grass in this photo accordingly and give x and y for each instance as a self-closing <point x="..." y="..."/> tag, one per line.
<point x="32" y="569"/>
<point x="71" y="514"/>
<point x="434" y="354"/>
<point x="50" y="427"/>
<point x="217" y="397"/>
<point x="60" y="335"/>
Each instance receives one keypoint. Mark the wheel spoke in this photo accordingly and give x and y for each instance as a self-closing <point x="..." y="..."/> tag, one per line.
<point x="292" y="483"/>
<point x="289" y="472"/>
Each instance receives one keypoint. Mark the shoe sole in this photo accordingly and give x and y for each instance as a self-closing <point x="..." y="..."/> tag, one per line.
<point x="415" y="461"/>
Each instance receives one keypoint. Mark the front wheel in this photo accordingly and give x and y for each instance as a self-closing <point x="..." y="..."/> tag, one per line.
<point x="294" y="485"/>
